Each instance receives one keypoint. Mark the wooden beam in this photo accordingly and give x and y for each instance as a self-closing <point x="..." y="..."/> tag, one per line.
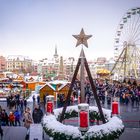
<point x="94" y="91"/>
<point x="70" y="90"/>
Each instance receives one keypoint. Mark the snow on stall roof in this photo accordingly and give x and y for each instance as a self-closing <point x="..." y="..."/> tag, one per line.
<point x="48" y="84"/>
<point x="62" y="86"/>
<point x="59" y="82"/>
<point x="50" y="96"/>
<point x="20" y="57"/>
<point x="83" y="104"/>
<point x="55" y="82"/>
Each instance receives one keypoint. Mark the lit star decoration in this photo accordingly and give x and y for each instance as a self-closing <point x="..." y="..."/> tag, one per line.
<point x="82" y="38"/>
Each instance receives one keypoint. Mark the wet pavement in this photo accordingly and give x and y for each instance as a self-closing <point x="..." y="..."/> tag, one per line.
<point x="17" y="133"/>
<point x="130" y="134"/>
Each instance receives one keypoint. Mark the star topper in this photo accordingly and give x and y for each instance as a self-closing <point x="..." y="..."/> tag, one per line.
<point x="82" y="38"/>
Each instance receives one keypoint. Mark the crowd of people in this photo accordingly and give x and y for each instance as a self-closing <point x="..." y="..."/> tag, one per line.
<point x="19" y="114"/>
<point x="128" y="93"/>
<point x="15" y="101"/>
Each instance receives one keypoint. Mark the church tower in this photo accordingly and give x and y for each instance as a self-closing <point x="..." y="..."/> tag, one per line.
<point x="55" y="54"/>
<point x="61" y="75"/>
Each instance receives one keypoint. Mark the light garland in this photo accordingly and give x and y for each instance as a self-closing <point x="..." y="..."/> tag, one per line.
<point x="111" y="130"/>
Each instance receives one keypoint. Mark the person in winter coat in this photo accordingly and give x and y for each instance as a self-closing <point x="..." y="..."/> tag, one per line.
<point x="4" y="118"/>
<point x="25" y="103"/>
<point x="17" y="117"/>
<point x="27" y="118"/>
<point x="21" y="105"/>
<point x="27" y="121"/>
<point x="33" y="98"/>
<point x="11" y="119"/>
<point x="38" y="99"/>
<point x="37" y="114"/>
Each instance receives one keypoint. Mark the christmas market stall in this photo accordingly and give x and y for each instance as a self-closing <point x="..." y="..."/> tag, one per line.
<point x="103" y="73"/>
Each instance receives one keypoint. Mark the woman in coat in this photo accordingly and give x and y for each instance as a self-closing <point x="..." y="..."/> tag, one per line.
<point x="27" y="121"/>
<point x="27" y="118"/>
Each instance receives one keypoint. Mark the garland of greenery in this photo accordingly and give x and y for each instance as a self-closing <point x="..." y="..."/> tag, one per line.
<point x="104" y="132"/>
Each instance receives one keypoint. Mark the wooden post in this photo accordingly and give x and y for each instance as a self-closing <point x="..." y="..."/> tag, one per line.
<point x="94" y="91"/>
<point x="82" y="78"/>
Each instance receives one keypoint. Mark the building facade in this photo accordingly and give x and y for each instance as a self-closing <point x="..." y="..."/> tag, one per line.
<point x="19" y="64"/>
<point x="2" y="63"/>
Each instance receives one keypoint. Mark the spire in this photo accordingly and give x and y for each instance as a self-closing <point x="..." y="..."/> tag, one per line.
<point x="55" y="55"/>
<point x="61" y="75"/>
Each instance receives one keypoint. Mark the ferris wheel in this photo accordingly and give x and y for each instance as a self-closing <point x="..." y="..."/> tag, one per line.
<point x="128" y="31"/>
<point x="127" y="43"/>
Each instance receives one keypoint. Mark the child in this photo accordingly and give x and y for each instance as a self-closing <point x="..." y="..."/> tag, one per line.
<point x="11" y="119"/>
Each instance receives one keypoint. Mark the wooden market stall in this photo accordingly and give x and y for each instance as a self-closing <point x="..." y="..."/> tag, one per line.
<point x="103" y="73"/>
<point x="54" y="88"/>
<point x="31" y="85"/>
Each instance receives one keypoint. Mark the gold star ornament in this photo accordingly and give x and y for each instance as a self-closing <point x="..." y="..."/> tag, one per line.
<point x="82" y="38"/>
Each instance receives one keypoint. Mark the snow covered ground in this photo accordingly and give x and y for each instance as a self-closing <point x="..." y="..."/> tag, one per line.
<point x="2" y="99"/>
<point x="30" y="99"/>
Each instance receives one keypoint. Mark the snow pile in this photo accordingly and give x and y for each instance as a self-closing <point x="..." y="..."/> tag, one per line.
<point x="30" y="99"/>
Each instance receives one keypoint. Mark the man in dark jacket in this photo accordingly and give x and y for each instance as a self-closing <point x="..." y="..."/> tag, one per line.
<point x="37" y="114"/>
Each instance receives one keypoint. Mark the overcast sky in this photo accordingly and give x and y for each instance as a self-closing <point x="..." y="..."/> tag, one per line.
<point x="33" y="27"/>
